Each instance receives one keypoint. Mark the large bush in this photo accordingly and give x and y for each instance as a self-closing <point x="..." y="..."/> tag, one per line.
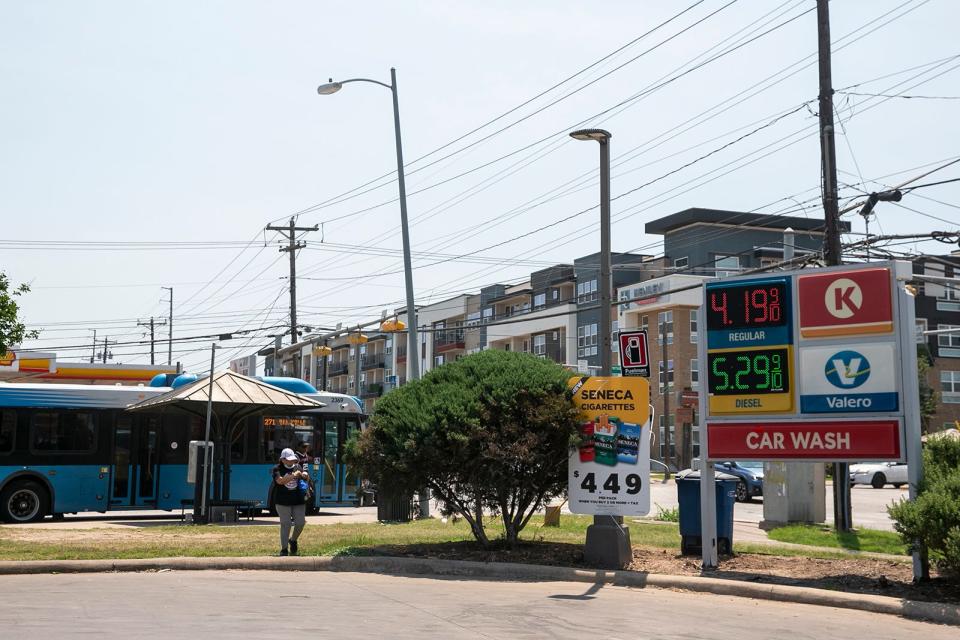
<point x="934" y="517"/>
<point x="489" y="433"/>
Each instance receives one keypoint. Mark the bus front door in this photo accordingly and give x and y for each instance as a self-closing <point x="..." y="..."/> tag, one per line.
<point x="133" y="472"/>
<point x="338" y="482"/>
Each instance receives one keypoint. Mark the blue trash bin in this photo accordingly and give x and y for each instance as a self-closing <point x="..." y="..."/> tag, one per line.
<point x="688" y="495"/>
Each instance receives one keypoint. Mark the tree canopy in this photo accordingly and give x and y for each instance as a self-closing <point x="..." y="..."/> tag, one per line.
<point x="489" y="433"/>
<point x="12" y="331"/>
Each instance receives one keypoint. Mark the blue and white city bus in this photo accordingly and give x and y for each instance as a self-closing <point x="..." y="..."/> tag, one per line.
<point x="67" y="448"/>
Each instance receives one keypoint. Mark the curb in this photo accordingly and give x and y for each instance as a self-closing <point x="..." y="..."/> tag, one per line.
<point x="927" y="611"/>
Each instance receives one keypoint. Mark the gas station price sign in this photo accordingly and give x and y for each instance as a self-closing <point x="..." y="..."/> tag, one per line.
<point x="749" y="346"/>
<point x="749" y="372"/>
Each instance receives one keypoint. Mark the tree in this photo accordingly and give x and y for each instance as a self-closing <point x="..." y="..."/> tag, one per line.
<point x="12" y="331"/>
<point x="489" y="433"/>
<point x="928" y="396"/>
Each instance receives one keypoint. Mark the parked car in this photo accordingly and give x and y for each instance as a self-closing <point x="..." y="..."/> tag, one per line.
<point x="749" y="474"/>
<point x="879" y="474"/>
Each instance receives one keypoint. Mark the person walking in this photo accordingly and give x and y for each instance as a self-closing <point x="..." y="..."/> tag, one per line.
<point x="289" y="498"/>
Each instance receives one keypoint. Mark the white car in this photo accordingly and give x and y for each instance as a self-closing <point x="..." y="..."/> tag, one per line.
<point x="878" y="474"/>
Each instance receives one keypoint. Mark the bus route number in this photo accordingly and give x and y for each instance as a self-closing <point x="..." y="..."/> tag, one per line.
<point x="611" y="483"/>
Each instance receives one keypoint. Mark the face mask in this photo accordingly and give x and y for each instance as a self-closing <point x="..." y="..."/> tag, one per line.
<point x="289" y="466"/>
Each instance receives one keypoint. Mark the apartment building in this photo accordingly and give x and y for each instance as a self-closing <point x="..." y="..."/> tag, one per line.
<point x="938" y="309"/>
<point x="715" y="242"/>
<point x="672" y="322"/>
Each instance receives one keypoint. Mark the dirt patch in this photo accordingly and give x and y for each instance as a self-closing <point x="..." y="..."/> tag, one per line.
<point x="853" y="575"/>
<point x="97" y="536"/>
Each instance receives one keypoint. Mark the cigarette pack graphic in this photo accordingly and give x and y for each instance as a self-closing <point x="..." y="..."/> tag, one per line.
<point x="587" y="451"/>
<point x="605" y="441"/>
<point x="628" y="443"/>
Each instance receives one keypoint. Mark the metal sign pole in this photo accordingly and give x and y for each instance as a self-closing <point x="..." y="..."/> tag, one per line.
<point x="911" y="402"/>
<point x="708" y="486"/>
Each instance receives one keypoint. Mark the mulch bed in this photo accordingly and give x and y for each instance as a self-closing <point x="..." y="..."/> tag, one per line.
<point x="853" y="575"/>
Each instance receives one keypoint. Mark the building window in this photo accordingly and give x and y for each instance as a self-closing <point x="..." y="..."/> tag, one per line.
<point x="556" y="294"/>
<point x="540" y="301"/>
<point x="693" y="325"/>
<point x="665" y="326"/>
<point x="726" y="266"/>
<point x="540" y="345"/>
<point x="437" y="360"/>
<point x="952" y="339"/>
<point x="487" y="314"/>
<point x="615" y="336"/>
<point x="694" y="371"/>
<point x="351" y="352"/>
<point x="526" y="346"/>
<point x="8" y="430"/>
<point x="587" y="340"/>
<point x="950" y="387"/>
<point x="665" y="375"/>
<point x="645" y="322"/>
<point x="667" y="431"/>
<point x="921" y="327"/>
<point x="587" y="291"/>
<point x="680" y="263"/>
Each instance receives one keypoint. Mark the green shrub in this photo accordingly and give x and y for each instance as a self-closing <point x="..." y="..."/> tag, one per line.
<point x="489" y="433"/>
<point x="933" y="519"/>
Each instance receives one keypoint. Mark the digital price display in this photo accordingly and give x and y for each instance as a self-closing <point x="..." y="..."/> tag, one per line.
<point x="749" y="306"/>
<point x="757" y="371"/>
<point x="743" y="381"/>
<point x="753" y="313"/>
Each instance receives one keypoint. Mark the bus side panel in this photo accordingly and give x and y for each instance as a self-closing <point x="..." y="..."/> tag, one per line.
<point x="80" y="487"/>
<point x="174" y="488"/>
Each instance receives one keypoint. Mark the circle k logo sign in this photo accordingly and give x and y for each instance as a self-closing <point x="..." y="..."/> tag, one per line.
<point x="847" y="369"/>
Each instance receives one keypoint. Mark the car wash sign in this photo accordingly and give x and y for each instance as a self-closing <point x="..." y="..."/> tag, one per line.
<point x="809" y="365"/>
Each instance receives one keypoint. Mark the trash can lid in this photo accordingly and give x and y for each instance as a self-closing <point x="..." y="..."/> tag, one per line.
<point x="690" y="474"/>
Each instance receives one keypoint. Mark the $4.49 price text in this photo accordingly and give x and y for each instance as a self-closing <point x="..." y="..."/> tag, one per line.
<point x="611" y="483"/>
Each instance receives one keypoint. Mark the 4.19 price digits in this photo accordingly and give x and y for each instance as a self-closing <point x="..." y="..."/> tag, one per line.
<point x="738" y="307"/>
<point x="612" y="483"/>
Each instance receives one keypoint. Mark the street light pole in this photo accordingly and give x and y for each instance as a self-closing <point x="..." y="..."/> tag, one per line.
<point x="413" y="350"/>
<point x="608" y="541"/>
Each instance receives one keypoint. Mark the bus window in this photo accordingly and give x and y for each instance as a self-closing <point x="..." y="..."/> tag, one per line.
<point x="279" y="433"/>
<point x="8" y="430"/>
<point x="63" y="432"/>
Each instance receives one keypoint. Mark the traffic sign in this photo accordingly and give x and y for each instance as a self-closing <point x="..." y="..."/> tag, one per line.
<point x="634" y="359"/>
<point x="845" y="303"/>
<point x="609" y="472"/>
<point x="855" y="379"/>
<point x="806" y="440"/>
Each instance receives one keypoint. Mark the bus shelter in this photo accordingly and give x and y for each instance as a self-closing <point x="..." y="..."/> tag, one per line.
<point x="231" y="399"/>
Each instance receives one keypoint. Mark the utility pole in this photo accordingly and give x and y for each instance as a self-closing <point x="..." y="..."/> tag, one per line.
<point x="106" y="351"/>
<point x="93" y="354"/>
<point x="293" y="244"/>
<point x="169" y="328"/>
<point x="151" y="325"/>
<point x="831" y="242"/>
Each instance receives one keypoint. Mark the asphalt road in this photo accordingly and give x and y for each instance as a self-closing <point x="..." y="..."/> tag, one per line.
<point x="226" y="604"/>
<point x="869" y="505"/>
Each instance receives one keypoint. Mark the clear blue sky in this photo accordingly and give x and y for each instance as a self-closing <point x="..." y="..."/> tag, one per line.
<point x="185" y="122"/>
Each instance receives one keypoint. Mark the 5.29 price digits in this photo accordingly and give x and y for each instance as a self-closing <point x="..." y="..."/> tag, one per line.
<point x="612" y="483"/>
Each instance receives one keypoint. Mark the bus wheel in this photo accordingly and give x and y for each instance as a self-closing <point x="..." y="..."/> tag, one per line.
<point x="23" y="502"/>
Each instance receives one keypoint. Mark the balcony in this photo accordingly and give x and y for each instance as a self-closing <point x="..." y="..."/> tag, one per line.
<point x="371" y="390"/>
<point x="444" y="341"/>
<point x="401" y="353"/>
<point x="337" y="368"/>
<point x="373" y="361"/>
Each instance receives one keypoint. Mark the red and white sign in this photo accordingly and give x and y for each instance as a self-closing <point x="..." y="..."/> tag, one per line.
<point x="844" y="303"/>
<point x="797" y="440"/>
<point x="634" y="360"/>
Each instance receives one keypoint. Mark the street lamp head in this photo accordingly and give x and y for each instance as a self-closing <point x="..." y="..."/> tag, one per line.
<point x="329" y="88"/>
<point x="600" y="135"/>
